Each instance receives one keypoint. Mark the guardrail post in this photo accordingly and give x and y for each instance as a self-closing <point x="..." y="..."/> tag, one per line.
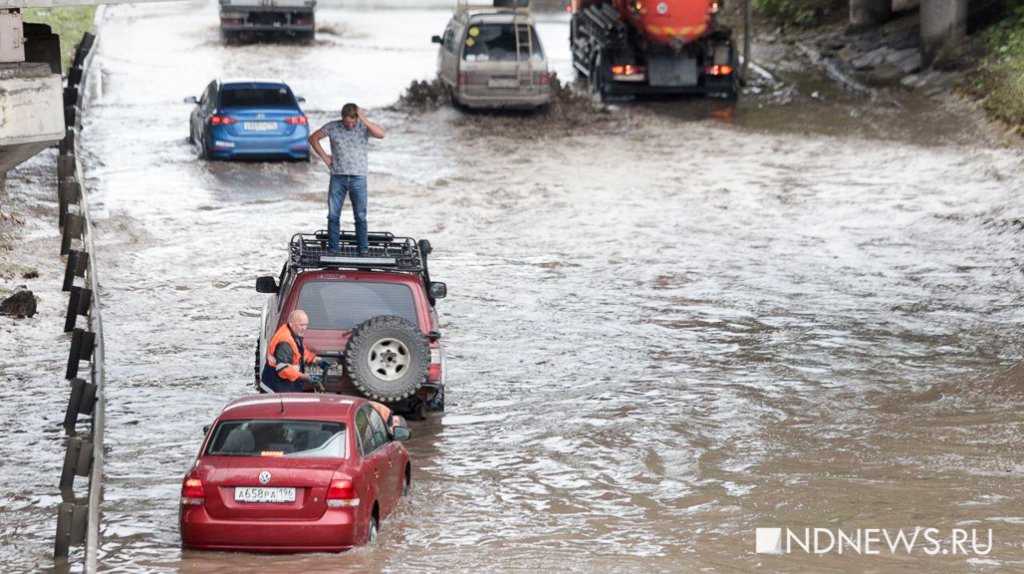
<point x="74" y="226"/>
<point x="67" y="145"/>
<point x="72" y="456"/>
<point x="70" y="113"/>
<point x="70" y="95"/>
<point x="72" y="520"/>
<point x="82" y="401"/>
<point x="78" y="262"/>
<point x="82" y="343"/>
<point x="78" y="304"/>
<point x="68" y="191"/>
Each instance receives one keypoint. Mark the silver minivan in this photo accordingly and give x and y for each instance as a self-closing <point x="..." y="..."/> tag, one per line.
<point x="491" y="57"/>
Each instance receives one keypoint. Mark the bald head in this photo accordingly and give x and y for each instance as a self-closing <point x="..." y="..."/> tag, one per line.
<point x="299" y="322"/>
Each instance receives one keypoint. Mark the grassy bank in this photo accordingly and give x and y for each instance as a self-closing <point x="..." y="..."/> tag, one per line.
<point x="799" y="13"/>
<point x="69" y="23"/>
<point x="998" y="81"/>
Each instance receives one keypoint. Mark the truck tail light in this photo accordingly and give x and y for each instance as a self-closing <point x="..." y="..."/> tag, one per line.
<point x="302" y="21"/>
<point x="462" y="79"/>
<point x="222" y="121"/>
<point x="341" y="493"/>
<point x="718" y="70"/>
<point x="627" y="70"/>
<point x="435" y="356"/>
<point x="545" y="79"/>
<point x="192" y="493"/>
<point x="296" y="120"/>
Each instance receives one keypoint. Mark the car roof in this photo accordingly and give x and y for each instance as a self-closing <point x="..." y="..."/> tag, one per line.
<point x="252" y="82"/>
<point x="332" y="274"/>
<point x="499" y="18"/>
<point x="291" y="406"/>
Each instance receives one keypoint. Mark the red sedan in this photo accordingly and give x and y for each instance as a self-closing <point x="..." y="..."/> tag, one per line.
<point x="294" y="472"/>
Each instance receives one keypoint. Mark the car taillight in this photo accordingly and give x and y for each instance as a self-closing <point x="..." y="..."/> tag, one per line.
<point x="435" y="356"/>
<point x="341" y="493"/>
<point x="627" y="70"/>
<point x="719" y="70"/>
<point x="295" y="120"/>
<point x="221" y="120"/>
<point x="192" y="493"/>
<point x="462" y="79"/>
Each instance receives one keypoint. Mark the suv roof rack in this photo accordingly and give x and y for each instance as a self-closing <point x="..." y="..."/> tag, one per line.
<point x="309" y="251"/>
<point x="513" y="6"/>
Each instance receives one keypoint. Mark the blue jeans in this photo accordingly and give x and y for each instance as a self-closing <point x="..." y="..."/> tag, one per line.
<point x="355" y="185"/>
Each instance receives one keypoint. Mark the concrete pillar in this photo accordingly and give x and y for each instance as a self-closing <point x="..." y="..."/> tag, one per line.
<point x="870" y="12"/>
<point x="943" y="22"/>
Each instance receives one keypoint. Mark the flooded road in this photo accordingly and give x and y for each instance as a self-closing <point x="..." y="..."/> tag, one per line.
<point x="667" y="325"/>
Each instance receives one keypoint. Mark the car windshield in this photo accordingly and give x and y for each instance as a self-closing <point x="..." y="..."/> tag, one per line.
<point x="256" y="98"/>
<point x="497" y="42"/>
<point x="287" y="438"/>
<point x="341" y="305"/>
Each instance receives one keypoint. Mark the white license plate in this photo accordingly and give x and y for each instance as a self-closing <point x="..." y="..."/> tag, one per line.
<point x="261" y="494"/>
<point x="259" y="126"/>
<point x="503" y="83"/>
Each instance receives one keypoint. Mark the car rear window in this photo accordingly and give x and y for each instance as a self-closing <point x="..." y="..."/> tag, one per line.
<point x="256" y="98"/>
<point x="497" y="42"/>
<point x="341" y="305"/>
<point x="287" y="438"/>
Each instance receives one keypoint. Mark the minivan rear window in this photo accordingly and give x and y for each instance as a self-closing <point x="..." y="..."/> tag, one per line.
<point x="287" y="438"/>
<point x="342" y="305"/>
<point x="256" y="98"/>
<point x="497" y="42"/>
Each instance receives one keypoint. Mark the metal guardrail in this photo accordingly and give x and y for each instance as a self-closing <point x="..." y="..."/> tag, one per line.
<point x="78" y="519"/>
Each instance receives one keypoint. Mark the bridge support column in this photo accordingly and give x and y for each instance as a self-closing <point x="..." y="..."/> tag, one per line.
<point x="869" y="12"/>
<point x="943" y="22"/>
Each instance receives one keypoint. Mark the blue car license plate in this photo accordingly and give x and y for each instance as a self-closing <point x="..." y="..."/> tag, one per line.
<point x="259" y="126"/>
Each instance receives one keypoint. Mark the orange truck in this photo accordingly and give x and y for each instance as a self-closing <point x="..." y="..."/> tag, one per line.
<point x="635" y="47"/>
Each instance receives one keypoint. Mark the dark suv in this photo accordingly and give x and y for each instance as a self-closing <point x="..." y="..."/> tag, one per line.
<point x="373" y="313"/>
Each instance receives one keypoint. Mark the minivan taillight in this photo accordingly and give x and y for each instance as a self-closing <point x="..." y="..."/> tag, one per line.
<point x="221" y="120"/>
<point x="192" y="493"/>
<point x="295" y="120"/>
<point x="341" y="493"/>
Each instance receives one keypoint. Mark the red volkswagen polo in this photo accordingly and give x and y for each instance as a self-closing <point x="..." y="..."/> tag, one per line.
<point x="293" y="472"/>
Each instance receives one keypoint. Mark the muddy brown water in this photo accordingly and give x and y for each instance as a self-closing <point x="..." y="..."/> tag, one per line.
<point x="666" y="327"/>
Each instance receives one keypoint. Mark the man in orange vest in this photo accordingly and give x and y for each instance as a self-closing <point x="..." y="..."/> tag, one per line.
<point x="287" y="357"/>
<point x="390" y="418"/>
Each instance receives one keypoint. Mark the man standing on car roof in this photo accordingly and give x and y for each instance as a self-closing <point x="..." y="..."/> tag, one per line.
<point x="287" y="357"/>
<point x="347" y="163"/>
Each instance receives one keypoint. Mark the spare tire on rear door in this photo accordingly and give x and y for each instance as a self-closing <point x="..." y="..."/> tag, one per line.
<point x="387" y="358"/>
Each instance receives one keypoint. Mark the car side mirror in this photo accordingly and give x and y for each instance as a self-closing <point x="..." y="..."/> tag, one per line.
<point x="191" y="100"/>
<point x="206" y="430"/>
<point x="438" y="290"/>
<point x="301" y="99"/>
<point x="266" y="285"/>
<point x="435" y="39"/>
<point x="402" y="433"/>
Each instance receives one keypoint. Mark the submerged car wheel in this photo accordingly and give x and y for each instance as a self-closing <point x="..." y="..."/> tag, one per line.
<point x="371" y="530"/>
<point x="387" y="358"/>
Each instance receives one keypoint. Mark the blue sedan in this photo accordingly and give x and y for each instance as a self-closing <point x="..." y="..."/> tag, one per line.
<point x="248" y="119"/>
